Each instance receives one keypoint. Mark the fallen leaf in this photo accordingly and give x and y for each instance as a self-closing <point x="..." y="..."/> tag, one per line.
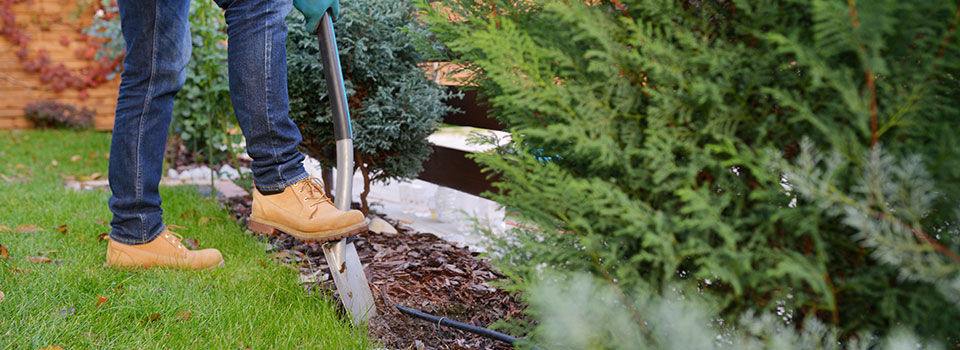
<point x="54" y="347"/>
<point x="106" y="155"/>
<point x="206" y="219"/>
<point x="94" y="176"/>
<point x="28" y="228"/>
<point x="48" y="252"/>
<point x="92" y="155"/>
<point x="184" y="315"/>
<point x="119" y="289"/>
<point x="102" y="222"/>
<point x="176" y="227"/>
<point x="75" y="158"/>
<point x="19" y="270"/>
<point x="103" y="236"/>
<point x="189" y="213"/>
<point x="54" y="162"/>
<point x="101" y="300"/>
<point x="61" y="228"/>
<point x="1" y="297"/>
<point x="191" y="243"/>
<point x="151" y="318"/>
<point x="3" y="253"/>
<point x="39" y="259"/>
<point x="5" y="228"/>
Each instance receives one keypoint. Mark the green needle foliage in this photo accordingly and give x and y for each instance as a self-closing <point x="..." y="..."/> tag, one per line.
<point x="393" y="106"/>
<point x="658" y="146"/>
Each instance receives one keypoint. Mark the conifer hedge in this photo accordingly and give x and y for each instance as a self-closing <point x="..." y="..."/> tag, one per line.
<point x="795" y="157"/>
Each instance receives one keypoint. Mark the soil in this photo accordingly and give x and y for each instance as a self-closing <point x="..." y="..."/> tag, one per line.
<point x="413" y="269"/>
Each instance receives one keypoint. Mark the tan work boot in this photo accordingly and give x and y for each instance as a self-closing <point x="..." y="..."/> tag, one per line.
<point x="166" y="250"/>
<point x="303" y="210"/>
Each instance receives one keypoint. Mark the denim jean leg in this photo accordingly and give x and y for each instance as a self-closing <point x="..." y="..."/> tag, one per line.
<point x="258" y="89"/>
<point x="157" y="35"/>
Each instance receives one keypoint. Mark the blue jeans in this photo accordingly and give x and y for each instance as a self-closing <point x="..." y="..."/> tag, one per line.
<point x="157" y="34"/>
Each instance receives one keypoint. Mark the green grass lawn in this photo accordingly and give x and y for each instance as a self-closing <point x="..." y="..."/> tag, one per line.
<point x="76" y="302"/>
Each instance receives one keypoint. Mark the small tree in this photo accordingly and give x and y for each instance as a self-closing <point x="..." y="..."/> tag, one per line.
<point x="393" y="106"/>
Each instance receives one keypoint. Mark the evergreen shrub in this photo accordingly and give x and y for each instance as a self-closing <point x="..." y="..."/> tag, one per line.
<point x="796" y="158"/>
<point x="393" y="105"/>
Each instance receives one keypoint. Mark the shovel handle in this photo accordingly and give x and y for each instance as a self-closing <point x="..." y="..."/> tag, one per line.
<point x="337" y="94"/>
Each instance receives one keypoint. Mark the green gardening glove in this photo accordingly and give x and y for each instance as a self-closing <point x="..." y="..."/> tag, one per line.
<point x="313" y="10"/>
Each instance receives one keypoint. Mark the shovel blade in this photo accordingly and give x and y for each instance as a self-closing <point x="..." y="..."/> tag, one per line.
<point x="347" y="273"/>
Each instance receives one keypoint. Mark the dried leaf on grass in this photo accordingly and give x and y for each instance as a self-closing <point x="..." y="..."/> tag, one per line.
<point x="103" y="236"/>
<point x="61" y="228"/>
<point x="54" y="347"/>
<point x="102" y="222"/>
<point x="189" y="213"/>
<point x="5" y="228"/>
<point x="20" y="179"/>
<point x="2" y="296"/>
<point x="28" y="228"/>
<point x="206" y="219"/>
<point x="150" y="318"/>
<point x="101" y="300"/>
<point x="75" y="158"/>
<point x="39" y="259"/>
<point x="48" y="252"/>
<point x="19" y="270"/>
<point x="184" y="315"/>
<point x="3" y="253"/>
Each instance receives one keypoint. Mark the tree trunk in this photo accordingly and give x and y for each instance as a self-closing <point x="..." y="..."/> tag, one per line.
<point x="365" y="171"/>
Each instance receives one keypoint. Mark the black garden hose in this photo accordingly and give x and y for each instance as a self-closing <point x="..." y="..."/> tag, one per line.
<point x="443" y="321"/>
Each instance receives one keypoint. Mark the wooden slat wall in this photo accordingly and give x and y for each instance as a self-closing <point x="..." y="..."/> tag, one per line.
<point x="18" y="87"/>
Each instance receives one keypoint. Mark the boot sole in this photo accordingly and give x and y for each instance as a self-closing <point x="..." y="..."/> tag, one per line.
<point x="268" y="228"/>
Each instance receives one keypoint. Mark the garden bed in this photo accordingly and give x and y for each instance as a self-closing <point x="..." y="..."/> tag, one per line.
<point x="414" y="269"/>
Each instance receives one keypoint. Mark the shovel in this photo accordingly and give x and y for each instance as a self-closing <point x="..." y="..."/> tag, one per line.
<point x="342" y="258"/>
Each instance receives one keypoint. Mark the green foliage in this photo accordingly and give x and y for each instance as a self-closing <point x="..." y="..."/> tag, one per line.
<point x="393" y="106"/>
<point x="661" y="139"/>
<point x="203" y="114"/>
<point x="53" y="114"/>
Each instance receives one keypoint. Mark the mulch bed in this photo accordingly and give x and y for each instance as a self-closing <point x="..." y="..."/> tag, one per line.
<point x="413" y="269"/>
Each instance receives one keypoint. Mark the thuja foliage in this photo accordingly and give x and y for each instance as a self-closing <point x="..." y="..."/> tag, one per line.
<point x="393" y="105"/>
<point x="659" y="145"/>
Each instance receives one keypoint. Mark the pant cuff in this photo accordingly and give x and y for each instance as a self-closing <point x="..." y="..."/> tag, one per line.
<point x="279" y="187"/>
<point x="153" y="236"/>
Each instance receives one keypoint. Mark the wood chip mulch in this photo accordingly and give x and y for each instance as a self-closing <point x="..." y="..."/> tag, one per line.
<point x="417" y="270"/>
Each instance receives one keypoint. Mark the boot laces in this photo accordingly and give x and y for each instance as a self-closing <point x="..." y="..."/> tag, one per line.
<point x="315" y="194"/>
<point x="176" y="239"/>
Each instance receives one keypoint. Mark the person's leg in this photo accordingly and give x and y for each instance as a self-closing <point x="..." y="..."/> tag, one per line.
<point x="157" y="35"/>
<point x="257" y="56"/>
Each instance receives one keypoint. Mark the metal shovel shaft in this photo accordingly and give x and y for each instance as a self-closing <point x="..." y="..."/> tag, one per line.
<point x="342" y="257"/>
